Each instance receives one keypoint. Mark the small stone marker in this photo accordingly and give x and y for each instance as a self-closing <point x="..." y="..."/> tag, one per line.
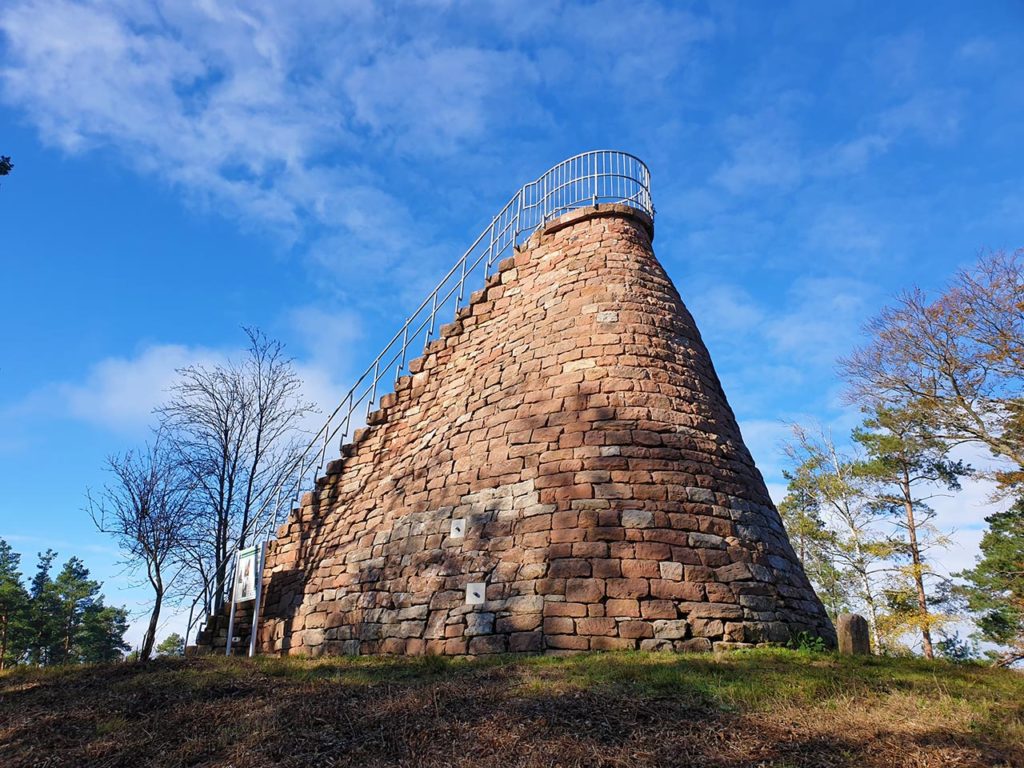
<point x="853" y="635"/>
<point x="458" y="528"/>
<point x="476" y="593"/>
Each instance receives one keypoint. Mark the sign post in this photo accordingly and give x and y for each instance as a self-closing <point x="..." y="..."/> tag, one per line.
<point x="261" y="559"/>
<point x="247" y="575"/>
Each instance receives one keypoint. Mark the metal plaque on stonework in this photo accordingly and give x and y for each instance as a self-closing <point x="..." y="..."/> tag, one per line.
<point x="476" y="593"/>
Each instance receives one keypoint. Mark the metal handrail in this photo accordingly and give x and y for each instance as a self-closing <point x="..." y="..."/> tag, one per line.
<point x="590" y="178"/>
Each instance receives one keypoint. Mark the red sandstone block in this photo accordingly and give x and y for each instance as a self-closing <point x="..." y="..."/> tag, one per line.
<point x="636" y="629"/>
<point x="570" y="439"/>
<point x="568" y="642"/>
<point x="569" y="567"/>
<point x="628" y="588"/>
<point x="546" y="434"/>
<point x="551" y="586"/>
<point x="719" y="593"/>
<point x="605" y="534"/>
<point x="455" y="647"/>
<point x="534" y="523"/>
<point x="485" y="644"/>
<point x="698" y="573"/>
<point x="605" y="568"/>
<point x="415" y="647"/>
<point x="585" y="590"/>
<point x="435" y="647"/>
<point x="575" y="610"/>
<point x="524" y="622"/>
<point x="595" y="626"/>
<point x="686" y="556"/>
<point x="650" y="550"/>
<point x="676" y="590"/>
<point x="559" y="549"/>
<point x="658" y="609"/>
<point x="569" y="535"/>
<point x="622" y="607"/>
<point x="614" y="491"/>
<point x="567" y="519"/>
<point x="640" y="569"/>
<point x="557" y="480"/>
<point x="558" y="625"/>
<point x="590" y="549"/>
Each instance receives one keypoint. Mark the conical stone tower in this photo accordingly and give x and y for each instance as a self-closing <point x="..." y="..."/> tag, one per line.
<point x="560" y="472"/>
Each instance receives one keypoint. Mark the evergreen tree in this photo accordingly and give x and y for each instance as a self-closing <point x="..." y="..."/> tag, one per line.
<point x="101" y="634"/>
<point x="172" y="645"/>
<point x="44" y="622"/>
<point x="76" y="595"/>
<point x="995" y="586"/>
<point x="69" y="624"/>
<point x="904" y="462"/>
<point x="815" y="544"/>
<point x="14" y="608"/>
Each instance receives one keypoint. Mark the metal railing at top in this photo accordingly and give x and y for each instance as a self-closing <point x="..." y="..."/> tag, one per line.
<point x="591" y="178"/>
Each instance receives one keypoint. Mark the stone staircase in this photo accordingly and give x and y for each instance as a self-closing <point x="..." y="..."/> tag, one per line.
<point x="213" y="638"/>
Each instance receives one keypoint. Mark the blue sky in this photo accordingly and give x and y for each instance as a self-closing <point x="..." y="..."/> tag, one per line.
<point x="184" y="169"/>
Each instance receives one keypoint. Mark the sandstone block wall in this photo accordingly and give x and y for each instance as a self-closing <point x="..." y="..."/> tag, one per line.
<point x="560" y="472"/>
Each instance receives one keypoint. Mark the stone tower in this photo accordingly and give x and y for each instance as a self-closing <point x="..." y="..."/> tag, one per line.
<point x="561" y="471"/>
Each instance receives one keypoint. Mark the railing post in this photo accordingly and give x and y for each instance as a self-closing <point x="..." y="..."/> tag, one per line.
<point x="323" y="451"/>
<point x="490" y="247"/>
<point x="462" y="285"/>
<point x="405" y="346"/>
<point x="373" y="387"/>
<point x="433" y="313"/>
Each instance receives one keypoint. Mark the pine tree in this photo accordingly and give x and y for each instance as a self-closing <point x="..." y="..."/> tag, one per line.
<point x="44" y="624"/>
<point x="815" y="545"/>
<point x="100" y="636"/>
<point x="69" y="624"/>
<point x="76" y="596"/>
<point x="904" y="463"/>
<point x="14" y="608"/>
<point x="995" y="586"/>
<point x="172" y="645"/>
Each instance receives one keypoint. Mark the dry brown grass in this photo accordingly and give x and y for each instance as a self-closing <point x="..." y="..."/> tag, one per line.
<point x="625" y="709"/>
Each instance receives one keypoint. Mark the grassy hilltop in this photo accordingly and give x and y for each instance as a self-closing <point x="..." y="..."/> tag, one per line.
<point x="759" y="708"/>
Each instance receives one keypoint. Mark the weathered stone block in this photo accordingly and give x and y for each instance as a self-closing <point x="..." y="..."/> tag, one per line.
<point x="853" y="633"/>
<point x="674" y="629"/>
<point x="479" y="624"/>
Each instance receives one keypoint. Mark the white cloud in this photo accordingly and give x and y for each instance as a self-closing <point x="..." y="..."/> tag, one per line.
<point x="120" y="393"/>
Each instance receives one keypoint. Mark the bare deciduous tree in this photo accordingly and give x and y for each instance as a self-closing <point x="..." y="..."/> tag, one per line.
<point x="959" y="357"/>
<point x="820" y="472"/>
<point x="149" y="507"/>
<point x="236" y="427"/>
